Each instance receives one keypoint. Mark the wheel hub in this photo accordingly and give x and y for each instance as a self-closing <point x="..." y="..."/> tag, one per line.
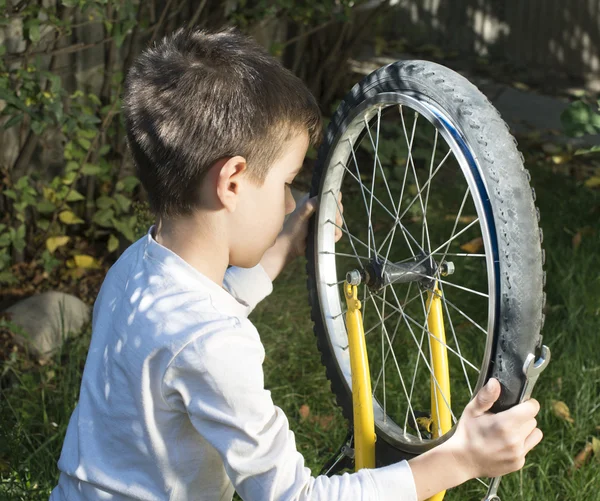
<point x="421" y="269"/>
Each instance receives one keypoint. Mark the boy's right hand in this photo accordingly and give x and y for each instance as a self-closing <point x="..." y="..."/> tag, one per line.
<point x="490" y="445"/>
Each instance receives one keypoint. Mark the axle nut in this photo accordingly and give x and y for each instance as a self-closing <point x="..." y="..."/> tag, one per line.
<point x="353" y="277"/>
<point x="447" y="268"/>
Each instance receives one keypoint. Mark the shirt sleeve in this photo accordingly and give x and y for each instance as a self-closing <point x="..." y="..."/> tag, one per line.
<point x="248" y="285"/>
<point x="218" y="380"/>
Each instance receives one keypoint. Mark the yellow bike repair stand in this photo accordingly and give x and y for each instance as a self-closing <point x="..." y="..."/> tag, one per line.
<point x="362" y="403"/>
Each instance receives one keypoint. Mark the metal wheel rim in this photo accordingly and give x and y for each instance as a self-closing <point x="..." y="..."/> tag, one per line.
<point x="329" y="297"/>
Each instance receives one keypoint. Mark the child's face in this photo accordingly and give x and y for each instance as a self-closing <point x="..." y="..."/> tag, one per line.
<point x="261" y="210"/>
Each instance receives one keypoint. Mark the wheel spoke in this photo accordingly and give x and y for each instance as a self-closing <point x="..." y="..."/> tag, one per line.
<point x="399" y="223"/>
<point x="391" y="314"/>
<point x="456" y="342"/>
<point x="402" y="312"/>
<point x="352" y="237"/>
<point x="373" y="177"/>
<point x="398" y="369"/>
<point x="443" y="344"/>
<point x="382" y="171"/>
<point x="462" y="205"/>
<point x="414" y="171"/>
<point x="344" y="255"/>
<point x="386" y="355"/>
<point x="466" y="316"/>
<point x="449" y="240"/>
<point x="362" y="190"/>
<point x="396" y="221"/>
<point x="426" y="185"/>
<point x="412" y="385"/>
<point x="345" y="226"/>
<point x="436" y="383"/>
<point x="382" y="351"/>
<point x="483" y="294"/>
<point x="430" y="177"/>
<point x="341" y="313"/>
<point x="456" y="254"/>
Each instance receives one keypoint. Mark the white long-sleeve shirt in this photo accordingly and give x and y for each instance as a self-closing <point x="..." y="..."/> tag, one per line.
<point x="172" y="403"/>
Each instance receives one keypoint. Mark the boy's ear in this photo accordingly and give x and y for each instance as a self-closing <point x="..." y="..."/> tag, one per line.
<point x="230" y="172"/>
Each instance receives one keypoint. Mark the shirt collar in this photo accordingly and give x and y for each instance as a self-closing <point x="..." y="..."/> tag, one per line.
<point x="183" y="272"/>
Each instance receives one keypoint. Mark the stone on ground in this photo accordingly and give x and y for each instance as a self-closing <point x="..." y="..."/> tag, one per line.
<point x="45" y="320"/>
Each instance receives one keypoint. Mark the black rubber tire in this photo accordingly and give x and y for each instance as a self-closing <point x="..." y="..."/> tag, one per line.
<point x="514" y="213"/>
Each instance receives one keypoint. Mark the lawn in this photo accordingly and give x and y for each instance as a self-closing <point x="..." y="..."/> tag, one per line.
<point x="37" y="401"/>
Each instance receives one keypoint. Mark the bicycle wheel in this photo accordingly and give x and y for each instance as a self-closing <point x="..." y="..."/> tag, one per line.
<point x="433" y="187"/>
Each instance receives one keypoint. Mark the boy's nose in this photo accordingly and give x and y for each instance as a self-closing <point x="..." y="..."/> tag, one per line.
<point x="290" y="210"/>
<point x="290" y="204"/>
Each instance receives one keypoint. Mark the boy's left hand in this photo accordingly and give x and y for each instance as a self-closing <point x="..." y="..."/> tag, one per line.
<point x="295" y="228"/>
<point x="291" y="242"/>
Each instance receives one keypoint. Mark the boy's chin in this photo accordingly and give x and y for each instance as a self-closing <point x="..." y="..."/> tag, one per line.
<point x="246" y="261"/>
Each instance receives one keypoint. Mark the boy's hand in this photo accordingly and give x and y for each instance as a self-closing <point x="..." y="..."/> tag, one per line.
<point x="295" y="228"/>
<point x="483" y="445"/>
<point x="490" y="445"/>
<point x="291" y="242"/>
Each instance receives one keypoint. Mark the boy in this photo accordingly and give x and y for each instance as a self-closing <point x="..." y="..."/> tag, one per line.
<point x="172" y="402"/>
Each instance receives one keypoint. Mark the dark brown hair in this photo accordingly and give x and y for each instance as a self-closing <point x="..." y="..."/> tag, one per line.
<point x="196" y="97"/>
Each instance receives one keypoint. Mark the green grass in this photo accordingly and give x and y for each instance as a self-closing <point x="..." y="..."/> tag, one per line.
<point x="36" y="403"/>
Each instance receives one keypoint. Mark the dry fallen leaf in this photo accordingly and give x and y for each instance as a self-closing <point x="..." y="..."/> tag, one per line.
<point x="583" y="455"/>
<point x="561" y="411"/>
<point x="323" y="421"/>
<point x="473" y="246"/>
<point x="559" y="383"/>
<point x="304" y="411"/>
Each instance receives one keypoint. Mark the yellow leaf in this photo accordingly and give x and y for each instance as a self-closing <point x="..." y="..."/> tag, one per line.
<point x="521" y="85"/>
<point x="596" y="447"/>
<point x="54" y="242"/>
<point x="561" y="159"/>
<point x="113" y="243"/>
<point x="49" y="194"/>
<point x="69" y="217"/>
<point x="593" y="182"/>
<point x="561" y="411"/>
<point x="85" y="261"/>
<point x="473" y="246"/>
